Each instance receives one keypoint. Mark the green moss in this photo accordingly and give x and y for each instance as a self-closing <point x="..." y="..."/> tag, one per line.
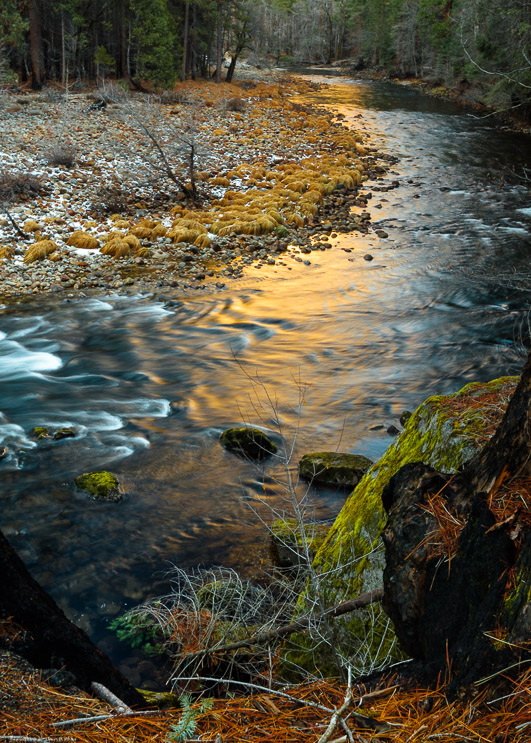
<point x="101" y="485"/>
<point x="287" y="541"/>
<point x="160" y="699"/>
<point x="443" y="432"/>
<point x="334" y="468"/>
<point x="40" y="432"/>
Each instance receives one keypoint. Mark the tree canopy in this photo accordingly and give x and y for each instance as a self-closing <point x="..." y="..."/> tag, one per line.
<point x="458" y="43"/>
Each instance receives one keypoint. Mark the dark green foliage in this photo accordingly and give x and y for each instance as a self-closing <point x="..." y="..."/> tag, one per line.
<point x="139" y="632"/>
<point x="155" y="35"/>
<point x="186" y="724"/>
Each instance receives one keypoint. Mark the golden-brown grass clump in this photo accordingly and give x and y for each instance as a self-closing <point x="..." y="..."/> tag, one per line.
<point x="30" y="225"/>
<point x="39" y="251"/>
<point x="83" y="240"/>
<point x="117" y="249"/>
<point x="6" y="251"/>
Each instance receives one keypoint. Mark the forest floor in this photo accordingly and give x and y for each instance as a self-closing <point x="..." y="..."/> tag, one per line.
<point x="31" y="709"/>
<point x="92" y="195"/>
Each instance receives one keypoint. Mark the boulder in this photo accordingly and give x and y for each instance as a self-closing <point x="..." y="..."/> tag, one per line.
<point x="445" y="432"/>
<point x="288" y="542"/>
<point x="251" y="443"/>
<point x="334" y="468"/>
<point x="101" y="485"/>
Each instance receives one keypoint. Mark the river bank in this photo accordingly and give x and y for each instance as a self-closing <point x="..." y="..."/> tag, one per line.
<point x="88" y="208"/>
<point x="470" y="98"/>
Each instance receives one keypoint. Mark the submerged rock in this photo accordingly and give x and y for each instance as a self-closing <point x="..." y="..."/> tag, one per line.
<point x="64" y="433"/>
<point x="334" y="468"/>
<point x="248" y="442"/>
<point x="101" y="485"/>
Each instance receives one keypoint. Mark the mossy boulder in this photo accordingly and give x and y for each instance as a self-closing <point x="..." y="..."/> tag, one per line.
<point x="101" y="485"/>
<point x="334" y="468"/>
<point x="251" y="443"/>
<point x="288" y="541"/>
<point x="40" y="432"/>
<point x="444" y="432"/>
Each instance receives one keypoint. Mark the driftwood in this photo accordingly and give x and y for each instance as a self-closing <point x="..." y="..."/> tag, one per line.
<point x="50" y="639"/>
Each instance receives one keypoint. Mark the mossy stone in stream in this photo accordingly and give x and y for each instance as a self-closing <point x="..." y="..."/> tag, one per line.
<point x="101" y="485"/>
<point x="40" y="432"/>
<point x="248" y="442"/>
<point x="64" y="433"/>
<point x="334" y="468"/>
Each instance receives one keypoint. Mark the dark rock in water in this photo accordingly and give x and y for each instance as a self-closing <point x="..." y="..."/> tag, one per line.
<point x="392" y="430"/>
<point x="405" y="416"/>
<point x="367" y="257"/>
<point x="333" y="468"/>
<point x="248" y="442"/>
<point x="3" y="452"/>
<point x="64" y="433"/>
<point x="101" y="485"/>
<point x="381" y="233"/>
<point x="40" y="432"/>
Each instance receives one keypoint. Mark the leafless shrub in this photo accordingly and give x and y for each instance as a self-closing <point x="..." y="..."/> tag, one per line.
<point x="111" y="198"/>
<point x="52" y="95"/>
<point x="62" y="154"/>
<point x="13" y="185"/>
<point x="110" y="92"/>
<point x="167" y="145"/>
<point x="235" y="104"/>
<point x="169" y="97"/>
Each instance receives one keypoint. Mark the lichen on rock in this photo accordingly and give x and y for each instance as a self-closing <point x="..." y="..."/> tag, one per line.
<point x="334" y="468"/>
<point x="101" y="485"/>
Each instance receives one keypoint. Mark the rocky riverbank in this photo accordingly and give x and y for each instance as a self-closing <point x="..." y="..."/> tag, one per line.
<point x="96" y="190"/>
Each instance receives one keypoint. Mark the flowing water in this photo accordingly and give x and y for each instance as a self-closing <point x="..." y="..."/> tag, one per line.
<point x="148" y="383"/>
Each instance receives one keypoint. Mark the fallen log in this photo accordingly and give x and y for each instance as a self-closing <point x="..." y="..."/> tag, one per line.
<point x="50" y="639"/>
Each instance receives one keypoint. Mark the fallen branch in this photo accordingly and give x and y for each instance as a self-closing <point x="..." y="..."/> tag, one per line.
<point x="98" y="718"/>
<point x="102" y="692"/>
<point x="17" y="229"/>
<point x="362" y="721"/>
<point x="345" y="607"/>
<point x="338" y="713"/>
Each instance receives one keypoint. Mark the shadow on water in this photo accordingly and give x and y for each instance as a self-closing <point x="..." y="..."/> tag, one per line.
<point x="148" y="385"/>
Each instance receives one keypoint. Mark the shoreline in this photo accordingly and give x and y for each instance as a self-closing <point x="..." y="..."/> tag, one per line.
<point x="503" y="118"/>
<point x="270" y="181"/>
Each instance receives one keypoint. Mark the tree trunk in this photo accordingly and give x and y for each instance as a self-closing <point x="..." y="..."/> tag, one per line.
<point x="461" y="600"/>
<point x="186" y="33"/>
<point x="37" y="57"/>
<point x="124" y="57"/>
<point x="219" y="41"/>
<point x="50" y="639"/>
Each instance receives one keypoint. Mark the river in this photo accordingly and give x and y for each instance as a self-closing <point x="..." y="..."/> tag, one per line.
<point x="334" y="351"/>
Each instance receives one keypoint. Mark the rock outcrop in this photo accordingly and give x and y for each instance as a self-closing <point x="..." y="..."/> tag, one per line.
<point x="445" y="432"/>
